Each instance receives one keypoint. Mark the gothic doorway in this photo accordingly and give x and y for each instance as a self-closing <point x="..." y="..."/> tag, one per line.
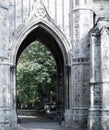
<point x="37" y="91"/>
<point x="56" y="42"/>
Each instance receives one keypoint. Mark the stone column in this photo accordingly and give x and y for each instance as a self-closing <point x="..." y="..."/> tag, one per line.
<point x="82" y="23"/>
<point x="68" y="95"/>
<point x="95" y="78"/>
<point x="5" y="90"/>
<point x="99" y="83"/>
<point x="105" y="73"/>
<point x="4" y="67"/>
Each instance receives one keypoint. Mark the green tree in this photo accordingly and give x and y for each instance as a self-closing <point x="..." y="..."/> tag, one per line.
<point x="36" y="76"/>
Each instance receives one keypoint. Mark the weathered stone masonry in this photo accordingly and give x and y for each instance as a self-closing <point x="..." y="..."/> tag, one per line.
<point x="79" y="33"/>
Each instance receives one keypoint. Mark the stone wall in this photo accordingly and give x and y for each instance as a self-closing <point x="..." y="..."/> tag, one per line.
<point x="20" y="10"/>
<point x="84" y="24"/>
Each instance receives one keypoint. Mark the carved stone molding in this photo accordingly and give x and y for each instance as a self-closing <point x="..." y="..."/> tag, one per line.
<point x="80" y="61"/>
<point x="39" y="11"/>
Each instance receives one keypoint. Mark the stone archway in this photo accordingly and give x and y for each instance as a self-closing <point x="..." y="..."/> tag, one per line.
<point x="54" y="39"/>
<point x="40" y="26"/>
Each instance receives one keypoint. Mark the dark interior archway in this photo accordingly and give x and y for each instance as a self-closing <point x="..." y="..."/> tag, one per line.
<point x="45" y="38"/>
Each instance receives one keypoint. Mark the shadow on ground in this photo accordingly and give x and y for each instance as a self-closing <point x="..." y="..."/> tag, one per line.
<point x="43" y="126"/>
<point x="41" y="123"/>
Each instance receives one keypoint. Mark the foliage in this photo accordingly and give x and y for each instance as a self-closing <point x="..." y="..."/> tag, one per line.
<point x="36" y="77"/>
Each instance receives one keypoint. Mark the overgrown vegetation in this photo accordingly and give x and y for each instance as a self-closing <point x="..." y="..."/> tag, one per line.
<point x="36" y="77"/>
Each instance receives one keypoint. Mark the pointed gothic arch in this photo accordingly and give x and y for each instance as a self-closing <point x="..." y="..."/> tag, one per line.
<point x="51" y="28"/>
<point x="43" y="31"/>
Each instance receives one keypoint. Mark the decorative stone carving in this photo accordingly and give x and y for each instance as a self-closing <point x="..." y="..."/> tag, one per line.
<point x="39" y="11"/>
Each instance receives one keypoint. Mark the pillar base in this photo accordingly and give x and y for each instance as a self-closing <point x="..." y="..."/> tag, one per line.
<point x="94" y="123"/>
<point x="105" y="123"/>
<point x="105" y="119"/>
<point x="81" y="122"/>
<point x="80" y="117"/>
<point x="10" y="127"/>
<point x="13" y="121"/>
<point x="94" y="119"/>
<point x="68" y="118"/>
<point x="8" y="120"/>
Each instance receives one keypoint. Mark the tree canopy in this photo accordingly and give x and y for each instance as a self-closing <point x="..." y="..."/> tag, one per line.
<point x="36" y="77"/>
